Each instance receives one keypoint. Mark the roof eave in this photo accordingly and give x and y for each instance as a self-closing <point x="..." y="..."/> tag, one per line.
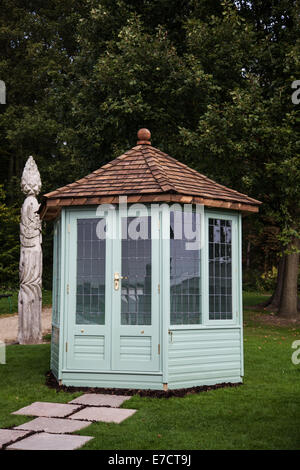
<point x="50" y="207"/>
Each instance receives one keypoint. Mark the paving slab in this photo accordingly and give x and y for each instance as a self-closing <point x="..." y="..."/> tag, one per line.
<point x="54" y="425"/>
<point x="49" y="410"/>
<point x="99" y="399"/>
<point x="10" y="435"/>
<point x="46" y="441"/>
<point x="107" y="415"/>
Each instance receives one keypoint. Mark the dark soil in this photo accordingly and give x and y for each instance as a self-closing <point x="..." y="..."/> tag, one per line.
<point x="182" y="392"/>
<point x="270" y="317"/>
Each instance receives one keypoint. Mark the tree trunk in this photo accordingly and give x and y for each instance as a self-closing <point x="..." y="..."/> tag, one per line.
<point x="274" y="301"/>
<point x="11" y="167"/>
<point x="248" y="255"/>
<point x="289" y="296"/>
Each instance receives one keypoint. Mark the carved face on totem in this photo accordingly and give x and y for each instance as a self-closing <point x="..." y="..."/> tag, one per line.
<point x="30" y="220"/>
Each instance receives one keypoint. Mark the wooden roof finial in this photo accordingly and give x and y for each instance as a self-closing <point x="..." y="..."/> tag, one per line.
<point x="144" y="136"/>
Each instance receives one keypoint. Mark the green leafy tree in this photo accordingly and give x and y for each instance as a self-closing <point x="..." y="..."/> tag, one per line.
<point x="9" y="242"/>
<point x="212" y="80"/>
<point x="255" y="133"/>
<point x="37" y="41"/>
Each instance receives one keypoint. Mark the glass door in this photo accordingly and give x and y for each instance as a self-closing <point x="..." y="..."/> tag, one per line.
<point x="88" y="292"/>
<point x="135" y="299"/>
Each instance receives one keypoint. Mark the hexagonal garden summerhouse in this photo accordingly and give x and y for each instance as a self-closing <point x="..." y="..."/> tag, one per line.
<point x="147" y="285"/>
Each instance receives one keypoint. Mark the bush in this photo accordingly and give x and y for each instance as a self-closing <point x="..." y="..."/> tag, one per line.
<point x="9" y="242"/>
<point x="268" y="280"/>
<point x="254" y="280"/>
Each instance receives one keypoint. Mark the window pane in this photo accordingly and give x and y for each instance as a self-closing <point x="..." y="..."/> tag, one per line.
<point x="185" y="282"/>
<point x="220" y="269"/>
<point x="90" y="298"/>
<point x="56" y="278"/>
<point x="136" y="267"/>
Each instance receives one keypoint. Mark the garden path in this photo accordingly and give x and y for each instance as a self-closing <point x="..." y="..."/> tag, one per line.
<point x="54" y="423"/>
<point x="9" y="325"/>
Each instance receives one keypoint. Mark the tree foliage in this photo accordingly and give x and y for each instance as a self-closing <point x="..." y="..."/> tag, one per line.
<point x="212" y="80"/>
<point x="9" y="242"/>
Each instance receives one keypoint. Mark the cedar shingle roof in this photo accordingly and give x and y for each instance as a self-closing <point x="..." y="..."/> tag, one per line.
<point x="152" y="175"/>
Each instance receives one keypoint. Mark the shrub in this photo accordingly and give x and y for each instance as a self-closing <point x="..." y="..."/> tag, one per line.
<point x="9" y="242"/>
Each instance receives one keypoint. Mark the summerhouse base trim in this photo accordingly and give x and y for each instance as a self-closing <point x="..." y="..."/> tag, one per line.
<point x="138" y="382"/>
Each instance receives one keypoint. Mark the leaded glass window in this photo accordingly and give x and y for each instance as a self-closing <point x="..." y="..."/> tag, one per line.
<point x="185" y="281"/>
<point x="90" y="298"/>
<point x="56" y="277"/>
<point x="136" y="271"/>
<point x="220" y="269"/>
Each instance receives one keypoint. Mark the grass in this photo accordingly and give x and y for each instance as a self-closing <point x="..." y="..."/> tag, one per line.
<point x="254" y="298"/>
<point x="263" y="413"/>
<point x="4" y="303"/>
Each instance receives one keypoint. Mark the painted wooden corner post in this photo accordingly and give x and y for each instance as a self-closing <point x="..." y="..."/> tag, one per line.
<point x="30" y="268"/>
<point x="141" y="301"/>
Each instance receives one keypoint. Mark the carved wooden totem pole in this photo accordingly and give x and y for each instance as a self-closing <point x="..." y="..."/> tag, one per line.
<point x="30" y="293"/>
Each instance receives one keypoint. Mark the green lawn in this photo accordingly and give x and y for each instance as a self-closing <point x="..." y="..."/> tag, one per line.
<point x="254" y="298"/>
<point x="264" y="413"/>
<point x="4" y="303"/>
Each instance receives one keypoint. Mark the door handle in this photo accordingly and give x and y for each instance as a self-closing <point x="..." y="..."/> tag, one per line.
<point x="117" y="279"/>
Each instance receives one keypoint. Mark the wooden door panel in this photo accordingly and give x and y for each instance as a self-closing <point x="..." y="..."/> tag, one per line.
<point x="135" y="304"/>
<point x="88" y="317"/>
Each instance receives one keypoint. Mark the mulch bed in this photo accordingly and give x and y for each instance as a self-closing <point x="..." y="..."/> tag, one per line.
<point x="52" y="382"/>
<point x="270" y="317"/>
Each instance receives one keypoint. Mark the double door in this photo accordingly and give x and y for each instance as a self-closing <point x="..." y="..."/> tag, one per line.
<point x="113" y="306"/>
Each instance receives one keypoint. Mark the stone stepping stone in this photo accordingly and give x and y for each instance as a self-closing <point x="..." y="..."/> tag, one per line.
<point x="10" y="435"/>
<point x="54" y="425"/>
<point x="107" y="415"/>
<point x="99" y="399"/>
<point x="46" y="441"/>
<point x="49" y="410"/>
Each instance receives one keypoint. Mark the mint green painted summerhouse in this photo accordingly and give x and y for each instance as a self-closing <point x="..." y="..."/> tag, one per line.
<point x="147" y="282"/>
